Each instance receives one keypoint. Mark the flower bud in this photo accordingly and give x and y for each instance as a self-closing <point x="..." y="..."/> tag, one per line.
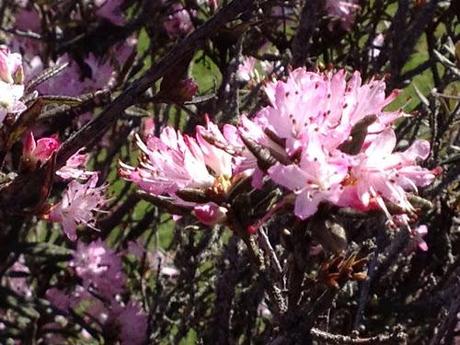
<point x="186" y="89"/>
<point x="210" y="213"/>
<point x="35" y="152"/>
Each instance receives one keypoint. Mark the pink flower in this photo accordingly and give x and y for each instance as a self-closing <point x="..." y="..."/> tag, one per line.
<point x="247" y="162"/>
<point x="10" y="66"/>
<point x="217" y="159"/>
<point x="99" y="267"/>
<point x="10" y="95"/>
<point x="380" y="174"/>
<point x="173" y="162"/>
<point x="169" y="163"/>
<point x="343" y="11"/>
<point x="79" y="205"/>
<point x="323" y="106"/>
<point x="75" y="167"/>
<point x="178" y="23"/>
<point x="317" y="178"/>
<point x="38" y="152"/>
<point x="11" y="79"/>
<point x="131" y="323"/>
<point x="17" y="278"/>
<point x="418" y="234"/>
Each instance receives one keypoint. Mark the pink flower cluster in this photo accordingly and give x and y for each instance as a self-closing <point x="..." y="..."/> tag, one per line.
<point x="101" y="273"/>
<point x="79" y="77"/>
<point x="81" y="201"/>
<point x="173" y="162"/>
<point x="331" y="137"/>
<point x="337" y="143"/>
<point x="99" y="267"/>
<point x="131" y="323"/>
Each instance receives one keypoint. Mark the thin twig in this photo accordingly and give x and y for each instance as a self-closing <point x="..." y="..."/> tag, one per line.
<point x="381" y="339"/>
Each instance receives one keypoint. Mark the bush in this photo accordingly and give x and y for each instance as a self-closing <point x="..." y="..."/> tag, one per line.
<point x="229" y="172"/>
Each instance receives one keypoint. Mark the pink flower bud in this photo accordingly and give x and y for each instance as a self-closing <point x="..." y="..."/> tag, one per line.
<point x="213" y="4"/>
<point x="210" y="213"/>
<point x="186" y="89"/>
<point x="38" y="151"/>
<point x="252" y="229"/>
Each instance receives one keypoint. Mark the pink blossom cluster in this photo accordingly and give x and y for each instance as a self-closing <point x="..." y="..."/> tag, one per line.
<point x="173" y="162"/>
<point x="130" y="322"/>
<point x="329" y="133"/>
<point x="99" y="268"/>
<point x="101" y="273"/>
<point x="91" y="74"/>
<point x="314" y="122"/>
<point x="82" y="200"/>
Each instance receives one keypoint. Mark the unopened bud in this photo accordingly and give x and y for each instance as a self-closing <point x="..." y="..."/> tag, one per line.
<point x="39" y="151"/>
<point x="210" y="213"/>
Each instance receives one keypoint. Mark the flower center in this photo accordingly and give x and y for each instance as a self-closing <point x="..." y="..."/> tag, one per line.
<point x="221" y="185"/>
